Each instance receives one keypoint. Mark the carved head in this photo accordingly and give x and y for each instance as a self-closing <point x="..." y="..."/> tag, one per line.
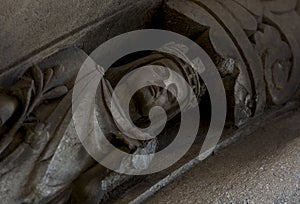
<point x="165" y="93"/>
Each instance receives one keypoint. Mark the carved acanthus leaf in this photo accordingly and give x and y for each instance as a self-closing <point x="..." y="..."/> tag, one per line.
<point x="280" y="6"/>
<point x="35" y="87"/>
<point x="18" y="102"/>
<point x="276" y="56"/>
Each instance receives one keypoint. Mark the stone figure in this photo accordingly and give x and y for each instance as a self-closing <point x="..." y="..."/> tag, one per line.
<point x="51" y="173"/>
<point x="253" y="44"/>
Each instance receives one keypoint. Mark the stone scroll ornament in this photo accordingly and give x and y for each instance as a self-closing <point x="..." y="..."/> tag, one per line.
<point x="253" y="43"/>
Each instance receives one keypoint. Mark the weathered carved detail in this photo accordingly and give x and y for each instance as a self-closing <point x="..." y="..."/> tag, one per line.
<point x="24" y="97"/>
<point x="277" y="59"/>
<point x="280" y="6"/>
<point x="228" y="29"/>
<point x="225" y="41"/>
<point x="252" y="42"/>
<point x="275" y="39"/>
<point x="23" y="134"/>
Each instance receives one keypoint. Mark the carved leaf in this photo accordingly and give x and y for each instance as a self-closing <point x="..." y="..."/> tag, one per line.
<point x="55" y="93"/>
<point x="56" y="76"/>
<point x="36" y="86"/>
<point x="37" y="76"/>
<point x="280" y="6"/>
<point x="273" y="50"/>
<point x="276" y="55"/>
<point x="32" y="89"/>
<point x="48" y="76"/>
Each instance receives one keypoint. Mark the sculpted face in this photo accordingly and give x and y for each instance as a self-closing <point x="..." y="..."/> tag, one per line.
<point x="171" y="88"/>
<point x="164" y="94"/>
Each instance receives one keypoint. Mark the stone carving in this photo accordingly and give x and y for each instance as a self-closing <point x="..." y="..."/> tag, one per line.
<point x="33" y="88"/>
<point x="22" y="133"/>
<point x="233" y="30"/>
<point x="242" y="87"/>
<point x="276" y="56"/>
<point x="252" y="43"/>
<point x="49" y="151"/>
<point x="276" y="44"/>
<point x="19" y="103"/>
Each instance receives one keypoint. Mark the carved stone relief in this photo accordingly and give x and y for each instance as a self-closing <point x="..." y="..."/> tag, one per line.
<point x="253" y="44"/>
<point x="233" y="30"/>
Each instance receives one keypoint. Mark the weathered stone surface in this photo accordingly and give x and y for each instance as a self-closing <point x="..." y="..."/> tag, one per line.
<point x="262" y="168"/>
<point x="33" y="134"/>
<point x="254" y="45"/>
<point x="233" y="30"/>
<point x="30" y="27"/>
<point x="222" y="46"/>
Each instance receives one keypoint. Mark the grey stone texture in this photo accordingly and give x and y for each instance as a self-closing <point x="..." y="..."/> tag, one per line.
<point x="262" y="168"/>
<point x="28" y="27"/>
<point x="254" y="45"/>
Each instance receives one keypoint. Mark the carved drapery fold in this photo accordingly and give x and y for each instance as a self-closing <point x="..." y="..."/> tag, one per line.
<point x="253" y="43"/>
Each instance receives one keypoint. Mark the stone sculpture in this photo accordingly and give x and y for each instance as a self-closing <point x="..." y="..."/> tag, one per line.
<point x="254" y="44"/>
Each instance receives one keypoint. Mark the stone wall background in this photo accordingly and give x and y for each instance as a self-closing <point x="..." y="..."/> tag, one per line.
<point x="27" y="27"/>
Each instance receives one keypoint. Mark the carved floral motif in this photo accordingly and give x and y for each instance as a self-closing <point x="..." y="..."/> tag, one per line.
<point x="18" y="102"/>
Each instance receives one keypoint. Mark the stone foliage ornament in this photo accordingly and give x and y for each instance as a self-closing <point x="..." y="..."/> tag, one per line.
<point x="255" y="45"/>
<point x="259" y="38"/>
